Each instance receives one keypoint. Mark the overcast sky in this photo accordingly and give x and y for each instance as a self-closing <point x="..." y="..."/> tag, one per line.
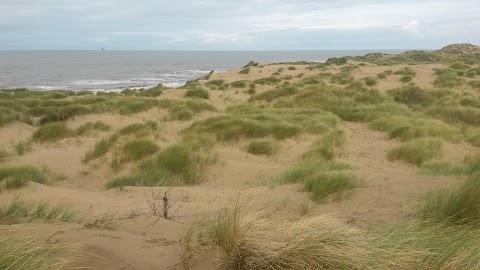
<point x="237" y="25"/>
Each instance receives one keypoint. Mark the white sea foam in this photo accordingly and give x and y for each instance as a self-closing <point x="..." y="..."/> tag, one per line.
<point x="46" y="87"/>
<point x="100" y="82"/>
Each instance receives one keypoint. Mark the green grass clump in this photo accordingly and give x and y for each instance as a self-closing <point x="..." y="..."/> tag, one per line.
<point x="17" y="177"/>
<point x="184" y="110"/>
<point x="474" y="84"/>
<point x="383" y="75"/>
<point x="268" y="81"/>
<point x="417" y="97"/>
<point x="469" y="166"/>
<point x="101" y="148"/>
<point x="406" y="72"/>
<point x="138" y="149"/>
<point x="3" y="156"/>
<point x="59" y="113"/>
<point x="326" y="147"/>
<point x="52" y="132"/>
<point x="20" y="211"/>
<point x="90" y="126"/>
<point x="342" y="78"/>
<point x="322" y="185"/>
<point x="182" y="160"/>
<point x="254" y="122"/>
<point x="370" y="81"/>
<point x="138" y="129"/>
<point x="319" y="174"/>
<point x="407" y="128"/>
<point x="448" y="78"/>
<point x="460" y="205"/>
<point x="337" y="60"/>
<point x="455" y="114"/>
<point x="321" y="178"/>
<point x="436" y="167"/>
<point x="406" y="78"/>
<point x="23" y="147"/>
<point x="270" y="95"/>
<point x="197" y="93"/>
<point x="472" y="135"/>
<point x="417" y="151"/>
<point x="244" y="71"/>
<point x="263" y="147"/>
<point x="216" y="83"/>
<point x="239" y="84"/>
<point x="179" y="164"/>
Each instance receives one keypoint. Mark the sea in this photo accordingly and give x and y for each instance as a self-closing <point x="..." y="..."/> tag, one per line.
<point x="105" y="70"/>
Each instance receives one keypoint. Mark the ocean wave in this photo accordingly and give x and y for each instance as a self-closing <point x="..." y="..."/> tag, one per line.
<point x="46" y="87"/>
<point x="99" y="82"/>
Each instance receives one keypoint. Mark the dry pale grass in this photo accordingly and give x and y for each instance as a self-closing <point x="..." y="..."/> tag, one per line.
<point x="234" y="238"/>
<point x="19" y="250"/>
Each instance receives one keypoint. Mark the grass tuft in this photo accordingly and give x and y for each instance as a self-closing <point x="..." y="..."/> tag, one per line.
<point x="20" y="211"/>
<point x="91" y="126"/>
<point x="460" y="205"/>
<point x="179" y="164"/>
<point x="138" y="149"/>
<point x="417" y="151"/>
<point x="52" y="132"/>
<point x="237" y="239"/>
<point x="263" y="147"/>
<point x="197" y="93"/>
<point x="100" y="149"/>
<point x="23" y="147"/>
<point x="17" y="177"/>
<point x="184" y="110"/>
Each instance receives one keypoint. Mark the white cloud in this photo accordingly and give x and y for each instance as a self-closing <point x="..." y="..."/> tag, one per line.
<point x="241" y="22"/>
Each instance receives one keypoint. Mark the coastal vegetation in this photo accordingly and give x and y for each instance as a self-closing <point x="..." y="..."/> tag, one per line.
<point x="385" y="145"/>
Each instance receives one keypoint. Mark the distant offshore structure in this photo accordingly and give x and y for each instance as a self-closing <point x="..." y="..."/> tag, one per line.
<point x="102" y="49"/>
